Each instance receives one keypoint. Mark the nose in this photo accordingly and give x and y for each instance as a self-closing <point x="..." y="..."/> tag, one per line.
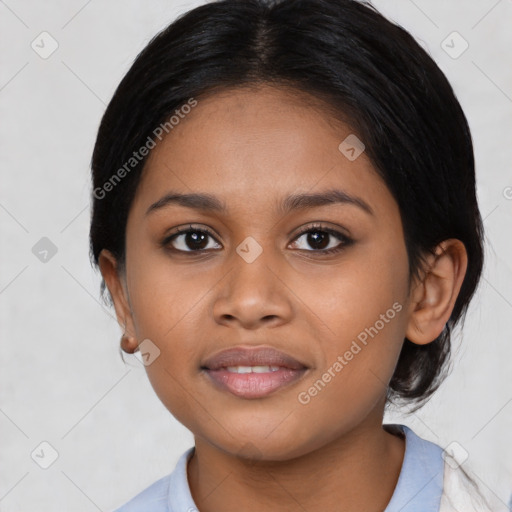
<point x="253" y="294"/>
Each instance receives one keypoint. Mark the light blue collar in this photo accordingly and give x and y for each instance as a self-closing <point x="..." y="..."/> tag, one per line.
<point x="418" y="489"/>
<point x="420" y="484"/>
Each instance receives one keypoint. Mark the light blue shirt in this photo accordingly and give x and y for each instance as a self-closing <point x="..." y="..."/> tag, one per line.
<point x="418" y="489"/>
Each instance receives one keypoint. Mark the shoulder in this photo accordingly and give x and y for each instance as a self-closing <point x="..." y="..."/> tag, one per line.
<point x="462" y="493"/>
<point x="158" y="496"/>
<point x="431" y="480"/>
<point x="154" y="498"/>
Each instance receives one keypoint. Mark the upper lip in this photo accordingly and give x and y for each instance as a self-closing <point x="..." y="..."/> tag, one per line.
<point x="252" y="356"/>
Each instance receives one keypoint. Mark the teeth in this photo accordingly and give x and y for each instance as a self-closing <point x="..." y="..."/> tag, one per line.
<point x="252" y="369"/>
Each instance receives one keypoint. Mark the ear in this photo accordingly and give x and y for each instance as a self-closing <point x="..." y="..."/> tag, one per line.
<point x="434" y="295"/>
<point x="116" y="284"/>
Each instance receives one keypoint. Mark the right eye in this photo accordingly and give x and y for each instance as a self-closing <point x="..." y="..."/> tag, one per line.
<point x="191" y="240"/>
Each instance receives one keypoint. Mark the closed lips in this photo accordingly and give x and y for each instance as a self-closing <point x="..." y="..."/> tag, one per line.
<point x="252" y="372"/>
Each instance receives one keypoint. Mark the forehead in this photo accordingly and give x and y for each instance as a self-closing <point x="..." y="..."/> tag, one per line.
<point x="251" y="147"/>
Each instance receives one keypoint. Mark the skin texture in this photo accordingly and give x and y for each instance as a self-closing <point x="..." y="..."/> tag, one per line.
<point x="252" y="147"/>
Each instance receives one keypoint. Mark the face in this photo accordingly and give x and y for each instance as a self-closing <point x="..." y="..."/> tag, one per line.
<point x="201" y="280"/>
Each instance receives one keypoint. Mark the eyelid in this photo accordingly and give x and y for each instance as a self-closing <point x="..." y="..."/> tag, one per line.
<point x="181" y="230"/>
<point x="339" y="230"/>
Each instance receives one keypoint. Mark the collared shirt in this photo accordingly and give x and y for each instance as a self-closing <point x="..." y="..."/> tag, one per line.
<point x="429" y="481"/>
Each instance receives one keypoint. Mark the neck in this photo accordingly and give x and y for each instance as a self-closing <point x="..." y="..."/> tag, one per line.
<point x="357" y="471"/>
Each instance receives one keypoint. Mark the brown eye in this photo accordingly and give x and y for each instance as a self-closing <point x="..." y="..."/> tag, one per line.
<point x="322" y="239"/>
<point x="190" y="240"/>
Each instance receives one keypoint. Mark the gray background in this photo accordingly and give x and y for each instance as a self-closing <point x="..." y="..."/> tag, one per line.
<point x="62" y="379"/>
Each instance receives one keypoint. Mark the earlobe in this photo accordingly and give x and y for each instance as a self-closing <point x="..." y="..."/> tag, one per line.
<point x="435" y="294"/>
<point x="114" y="281"/>
<point x="129" y="344"/>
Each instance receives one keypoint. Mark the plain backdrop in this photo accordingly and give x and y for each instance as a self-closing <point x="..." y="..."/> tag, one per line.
<point x="62" y="380"/>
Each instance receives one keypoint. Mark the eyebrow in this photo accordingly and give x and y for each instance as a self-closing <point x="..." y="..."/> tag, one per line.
<point x="210" y="203"/>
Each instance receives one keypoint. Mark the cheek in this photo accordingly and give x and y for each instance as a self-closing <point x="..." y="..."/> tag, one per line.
<point x="165" y="306"/>
<point x="363" y="302"/>
<point x="163" y="295"/>
<point x="359" y="357"/>
<point x="351" y="296"/>
<point x="168" y="309"/>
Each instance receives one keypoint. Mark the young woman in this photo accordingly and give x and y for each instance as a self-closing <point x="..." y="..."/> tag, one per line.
<point x="285" y="217"/>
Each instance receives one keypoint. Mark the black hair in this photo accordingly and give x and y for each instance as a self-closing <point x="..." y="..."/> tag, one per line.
<point x="363" y="68"/>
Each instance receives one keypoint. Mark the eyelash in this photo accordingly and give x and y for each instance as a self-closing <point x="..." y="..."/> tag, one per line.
<point x="345" y="241"/>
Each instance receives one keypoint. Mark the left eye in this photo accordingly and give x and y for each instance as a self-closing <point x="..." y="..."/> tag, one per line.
<point x="321" y="240"/>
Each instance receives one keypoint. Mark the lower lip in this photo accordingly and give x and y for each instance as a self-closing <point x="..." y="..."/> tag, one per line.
<point x="254" y="385"/>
